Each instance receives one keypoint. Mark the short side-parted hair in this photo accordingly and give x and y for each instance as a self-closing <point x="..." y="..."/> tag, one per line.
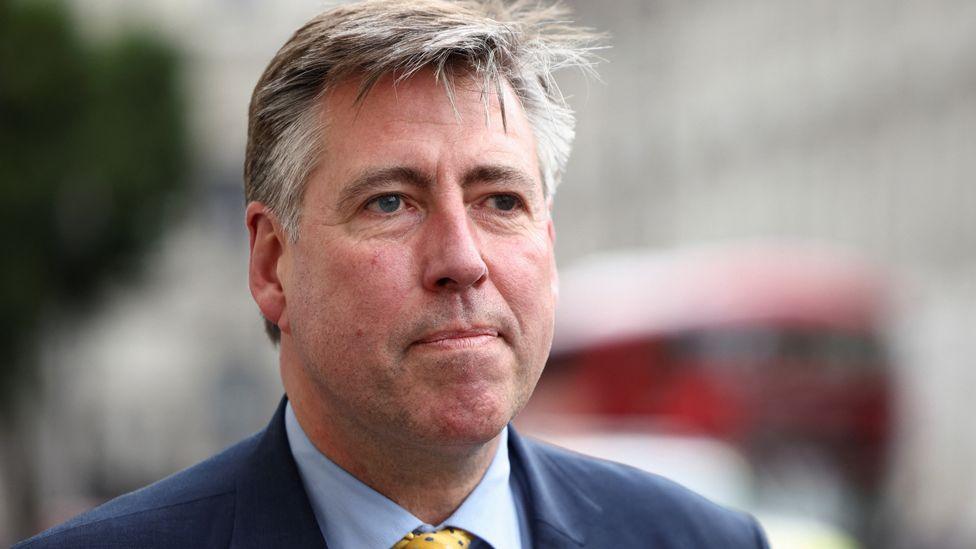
<point x="521" y="43"/>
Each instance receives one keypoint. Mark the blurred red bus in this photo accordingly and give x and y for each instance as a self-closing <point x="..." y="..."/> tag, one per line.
<point x="774" y="349"/>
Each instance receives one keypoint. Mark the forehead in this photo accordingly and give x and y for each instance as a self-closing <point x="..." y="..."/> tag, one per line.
<point x="414" y="123"/>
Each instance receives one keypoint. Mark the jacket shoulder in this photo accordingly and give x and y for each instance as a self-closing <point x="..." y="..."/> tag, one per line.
<point x="662" y="510"/>
<point x="191" y="508"/>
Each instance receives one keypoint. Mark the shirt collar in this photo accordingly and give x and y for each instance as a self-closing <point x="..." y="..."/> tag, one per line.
<point x="351" y="514"/>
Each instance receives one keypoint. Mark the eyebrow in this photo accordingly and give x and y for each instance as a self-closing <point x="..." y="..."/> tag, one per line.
<point x="379" y="179"/>
<point x="374" y="180"/>
<point x="495" y="173"/>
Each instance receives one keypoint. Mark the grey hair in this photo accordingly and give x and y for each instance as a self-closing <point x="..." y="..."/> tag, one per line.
<point x="521" y="43"/>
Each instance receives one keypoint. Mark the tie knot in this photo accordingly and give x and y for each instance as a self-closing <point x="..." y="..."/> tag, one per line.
<point x="446" y="538"/>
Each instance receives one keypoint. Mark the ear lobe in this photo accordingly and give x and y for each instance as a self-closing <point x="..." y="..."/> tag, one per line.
<point x="268" y="244"/>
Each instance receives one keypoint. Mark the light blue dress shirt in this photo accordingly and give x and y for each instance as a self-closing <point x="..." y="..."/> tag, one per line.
<point x="352" y="515"/>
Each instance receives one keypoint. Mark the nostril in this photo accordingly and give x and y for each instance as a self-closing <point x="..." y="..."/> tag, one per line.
<point x="443" y="282"/>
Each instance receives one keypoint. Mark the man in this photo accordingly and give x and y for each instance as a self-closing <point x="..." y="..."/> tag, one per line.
<point x="401" y="163"/>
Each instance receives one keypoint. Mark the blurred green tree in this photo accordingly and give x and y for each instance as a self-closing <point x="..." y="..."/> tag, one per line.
<point x="92" y="158"/>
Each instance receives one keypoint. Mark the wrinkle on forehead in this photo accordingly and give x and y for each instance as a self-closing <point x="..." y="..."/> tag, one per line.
<point x="346" y="99"/>
<point x="453" y="76"/>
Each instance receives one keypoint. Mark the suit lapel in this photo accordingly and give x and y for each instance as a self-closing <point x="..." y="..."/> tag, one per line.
<point x="272" y="509"/>
<point x="559" y="512"/>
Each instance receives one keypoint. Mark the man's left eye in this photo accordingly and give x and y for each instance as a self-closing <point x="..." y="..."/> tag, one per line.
<point x="504" y="202"/>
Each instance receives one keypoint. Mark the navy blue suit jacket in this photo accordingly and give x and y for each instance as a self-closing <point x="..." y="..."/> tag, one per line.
<point x="251" y="495"/>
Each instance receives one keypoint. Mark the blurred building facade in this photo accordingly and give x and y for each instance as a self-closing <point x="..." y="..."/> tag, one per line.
<point x="843" y="122"/>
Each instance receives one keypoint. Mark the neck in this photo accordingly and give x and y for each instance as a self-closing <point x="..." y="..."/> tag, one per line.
<point x="398" y="469"/>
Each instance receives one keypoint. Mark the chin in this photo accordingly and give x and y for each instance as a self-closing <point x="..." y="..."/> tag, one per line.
<point x="470" y="425"/>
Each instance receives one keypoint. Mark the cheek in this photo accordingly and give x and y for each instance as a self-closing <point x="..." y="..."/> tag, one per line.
<point x="524" y="272"/>
<point x="374" y="284"/>
<point x="352" y="295"/>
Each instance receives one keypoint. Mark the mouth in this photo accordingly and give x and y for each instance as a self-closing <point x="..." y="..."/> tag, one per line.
<point x="463" y="338"/>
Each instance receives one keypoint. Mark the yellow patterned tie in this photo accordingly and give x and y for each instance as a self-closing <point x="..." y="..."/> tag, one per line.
<point x="448" y="538"/>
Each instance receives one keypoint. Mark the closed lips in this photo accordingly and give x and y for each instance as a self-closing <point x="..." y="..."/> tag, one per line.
<point x="459" y="334"/>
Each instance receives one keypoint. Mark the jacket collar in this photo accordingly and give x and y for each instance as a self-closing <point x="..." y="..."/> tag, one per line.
<point x="272" y="509"/>
<point x="559" y="511"/>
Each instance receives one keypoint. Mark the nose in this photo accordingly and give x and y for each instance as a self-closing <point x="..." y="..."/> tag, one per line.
<point x="453" y="255"/>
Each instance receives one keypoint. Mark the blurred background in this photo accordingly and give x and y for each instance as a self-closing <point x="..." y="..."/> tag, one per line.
<point x="767" y="242"/>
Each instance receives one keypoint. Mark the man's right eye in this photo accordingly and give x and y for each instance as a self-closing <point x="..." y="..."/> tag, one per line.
<point x="388" y="203"/>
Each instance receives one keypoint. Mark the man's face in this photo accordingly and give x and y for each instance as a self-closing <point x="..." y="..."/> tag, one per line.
<point x="419" y="296"/>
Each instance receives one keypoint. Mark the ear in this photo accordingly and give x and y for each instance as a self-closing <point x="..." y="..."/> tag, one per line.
<point x="267" y="266"/>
